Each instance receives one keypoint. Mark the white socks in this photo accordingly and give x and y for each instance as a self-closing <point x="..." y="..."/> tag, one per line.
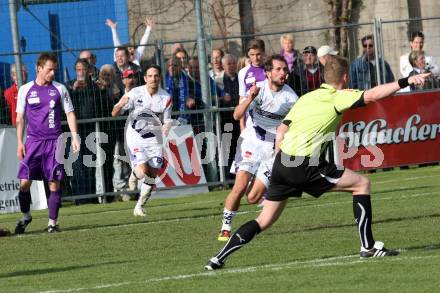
<point x="227" y="219"/>
<point x="144" y="195"/>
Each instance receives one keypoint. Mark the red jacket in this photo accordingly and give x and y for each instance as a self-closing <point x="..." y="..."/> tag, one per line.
<point x="11" y="97"/>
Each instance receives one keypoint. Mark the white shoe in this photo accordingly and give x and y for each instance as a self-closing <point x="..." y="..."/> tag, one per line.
<point x="138" y="211"/>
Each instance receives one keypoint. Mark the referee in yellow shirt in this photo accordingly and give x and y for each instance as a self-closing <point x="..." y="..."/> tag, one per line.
<point x="299" y="166"/>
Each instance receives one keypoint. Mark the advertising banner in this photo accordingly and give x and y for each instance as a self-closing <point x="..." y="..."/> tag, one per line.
<point x="9" y="184"/>
<point x="182" y="165"/>
<point x="396" y="131"/>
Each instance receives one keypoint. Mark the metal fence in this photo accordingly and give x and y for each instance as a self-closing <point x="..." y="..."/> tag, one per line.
<point x="93" y="103"/>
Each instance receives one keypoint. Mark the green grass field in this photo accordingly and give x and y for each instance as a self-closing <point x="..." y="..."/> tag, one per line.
<point x="312" y="248"/>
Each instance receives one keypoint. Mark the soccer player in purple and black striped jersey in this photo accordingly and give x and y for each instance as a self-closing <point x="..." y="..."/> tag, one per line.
<point x="40" y="103"/>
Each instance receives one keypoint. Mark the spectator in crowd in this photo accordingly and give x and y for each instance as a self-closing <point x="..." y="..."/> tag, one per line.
<point x="177" y="86"/>
<point x="325" y="53"/>
<point x="418" y="64"/>
<point x="109" y="95"/>
<point x="416" y="43"/>
<point x="216" y="72"/>
<point x="91" y="59"/>
<point x="313" y="71"/>
<point x="107" y="84"/>
<point x="122" y="170"/>
<point x="12" y="92"/>
<point x="175" y="47"/>
<point x="85" y="95"/>
<point x="135" y="53"/>
<point x="363" y="68"/>
<point x="122" y="63"/>
<point x="242" y="62"/>
<point x="230" y="82"/>
<point x="184" y="57"/>
<point x="292" y="56"/>
<point x="194" y="100"/>
<point x="310" y="76"/>
<point x="4" y="109"/>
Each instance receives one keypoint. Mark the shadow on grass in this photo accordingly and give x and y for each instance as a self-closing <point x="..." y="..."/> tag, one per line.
<point x="429" y="247"/>
<point x="57" y="270"/>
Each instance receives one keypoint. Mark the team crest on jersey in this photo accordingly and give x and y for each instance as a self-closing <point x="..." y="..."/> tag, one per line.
<point x="51" y="104"/>
<point x="139" y="101"/>
<point x="33" y="94"/>
<point x="52" y="93"/>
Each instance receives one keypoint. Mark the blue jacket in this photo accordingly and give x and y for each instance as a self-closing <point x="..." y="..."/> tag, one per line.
<point x="363" y="74"/>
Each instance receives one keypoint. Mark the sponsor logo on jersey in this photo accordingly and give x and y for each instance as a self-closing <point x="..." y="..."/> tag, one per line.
<point x="136" y="150"/>
<point x="35" y="100"/>
<point x="52" y="92"/>
<point x="248" y="154"/>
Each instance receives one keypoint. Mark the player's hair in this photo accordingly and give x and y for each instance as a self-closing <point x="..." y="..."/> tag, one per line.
<point x="155" y="66"/>
<point x="414" y="55"/>
<point x="268" y="65"/>
<point x="255" y="44"/>
<point x="44" y="57"/>
<point x="123" y="49"/>
<point x="334" y="69"/>
<point x="416" y="34"/>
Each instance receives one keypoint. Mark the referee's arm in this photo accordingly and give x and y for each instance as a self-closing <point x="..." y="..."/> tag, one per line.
<point x="385" y="90"/>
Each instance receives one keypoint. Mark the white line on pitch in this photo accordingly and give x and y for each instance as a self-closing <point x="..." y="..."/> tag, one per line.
<point x="320" y="262"/>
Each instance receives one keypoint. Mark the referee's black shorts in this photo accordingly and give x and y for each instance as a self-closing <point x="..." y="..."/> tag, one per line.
<point x="291" y="176"/>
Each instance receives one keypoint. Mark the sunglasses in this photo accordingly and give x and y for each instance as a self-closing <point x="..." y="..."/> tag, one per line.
<point x="369" y="45"/>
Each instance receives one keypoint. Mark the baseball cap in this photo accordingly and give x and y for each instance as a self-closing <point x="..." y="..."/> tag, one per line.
<point x="324" y="50"/>
<point x="127" y="72"/>
<point x="309" y="49"/>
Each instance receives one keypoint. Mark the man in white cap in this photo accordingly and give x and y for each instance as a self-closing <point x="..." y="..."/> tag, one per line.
<point x="325" y="53"/>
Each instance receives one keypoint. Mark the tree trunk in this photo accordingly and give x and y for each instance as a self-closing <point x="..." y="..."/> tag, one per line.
<point x="246" y="20"/>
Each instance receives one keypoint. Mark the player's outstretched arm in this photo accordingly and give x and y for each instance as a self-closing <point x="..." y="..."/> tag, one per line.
<point x="242" y="107"/>
<point x="71" y="121"/>
<point x="385" y="90"/>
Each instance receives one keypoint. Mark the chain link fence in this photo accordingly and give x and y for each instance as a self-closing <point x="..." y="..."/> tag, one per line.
<point x="74" y="29"/>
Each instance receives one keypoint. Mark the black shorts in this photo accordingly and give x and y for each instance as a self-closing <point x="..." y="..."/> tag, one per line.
<point x="291" y="176"/>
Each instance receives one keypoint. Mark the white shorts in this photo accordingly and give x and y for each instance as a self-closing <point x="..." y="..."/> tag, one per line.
<point x="152" y="155"/>
<point x="256" y="158"/>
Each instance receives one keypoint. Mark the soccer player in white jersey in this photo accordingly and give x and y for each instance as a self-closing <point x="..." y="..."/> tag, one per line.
<point x="265" y="106"/>
<point x="149" y="118"/>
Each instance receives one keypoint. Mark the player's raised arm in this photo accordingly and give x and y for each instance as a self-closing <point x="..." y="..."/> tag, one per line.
<point x="385" y="90"/>
<point x="242" y="107"/>
<point x="120" y="105"/>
